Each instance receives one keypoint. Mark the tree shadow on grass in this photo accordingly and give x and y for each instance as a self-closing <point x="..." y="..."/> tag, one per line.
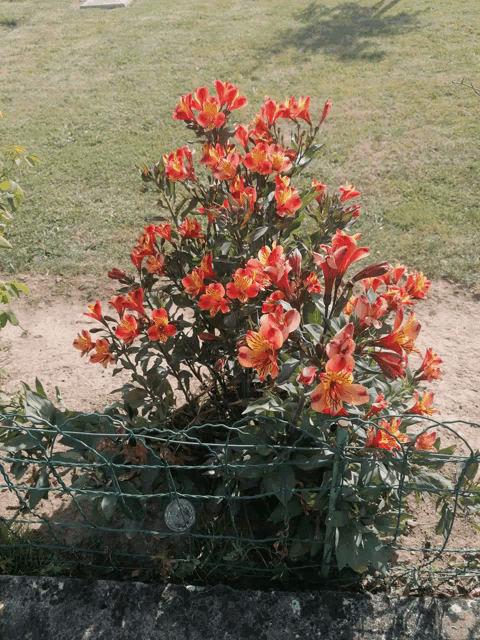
<point x="350" y="30"/>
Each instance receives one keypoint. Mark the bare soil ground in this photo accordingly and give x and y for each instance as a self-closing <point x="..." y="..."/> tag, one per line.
<point x="51" y="316"/>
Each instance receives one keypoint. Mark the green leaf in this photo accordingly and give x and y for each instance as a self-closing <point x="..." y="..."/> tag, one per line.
<point x="428" y="479"/>
<point x="80" y="482"/>
<point x="297" y="222"/>
<point x="444" y="524"/>
<point x="448" y="451"/>
<point x="375" y="552"/>
<point x="135" y="397"/>
<point x="21" y="287"/>
<point x="287" y="369"/>
<point x="132" y="506"/>
<point x="4" y="244"/>
<point x="340" y="518"/>
<point x="21" y="443"/>
<point x="132" y="526"/>
<point x="18" y="469"/>
<point x="346" y="547"/>
<point x="41" y="489"/>
<point x="469" y="467"/>
<point x="5" y="185"/>
<point x="108" y="505"/>
<point x="291" y="510"/>
<point x="258" y="233"/>
<point x="37" y="406"/>
<point x="281" y="482"/>
<point x="252" y="469"/>
<point x="39" y="388"/>
<point x="12" y="318"/>
<point x="67" y="456"/>
<point x="316" y="461"/>
<point x="314" y="330"/>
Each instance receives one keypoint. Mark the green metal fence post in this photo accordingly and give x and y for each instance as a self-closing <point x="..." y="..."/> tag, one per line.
<point x="341" y="440"/>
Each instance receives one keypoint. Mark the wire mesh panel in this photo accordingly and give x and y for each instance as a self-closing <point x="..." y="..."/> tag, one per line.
<point x="261" y="498"/>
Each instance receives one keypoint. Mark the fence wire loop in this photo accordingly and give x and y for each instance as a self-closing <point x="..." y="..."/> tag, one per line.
<point x="94" y="492"/>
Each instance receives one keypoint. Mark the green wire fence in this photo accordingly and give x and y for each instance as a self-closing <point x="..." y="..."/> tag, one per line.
<point x="260" y="499"/>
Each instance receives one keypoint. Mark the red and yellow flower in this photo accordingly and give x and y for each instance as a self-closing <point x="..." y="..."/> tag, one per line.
<point x="179" y="165"/>
<point x="164" y="231"/>
<point x="206" y="266"/>
<point x="83" y="342"/>
<point x="307" y="376"/>
<point x="222" y="162"/>
<point x="379" y="405"/>
<point x="341" y="347"/>
<point x="161" y="330"/>
<point x="120" y="303"/>
<point x="243" y="286"/>
<point x="287" y="198"/>
<point x="258" y="159"/>
<point x="397" y="297"/>
<point x="261" y="350"/>
<point x="95" y="311"/>
<point x="184" y="110"/>
<point x="336" y="387"/>
<point x="127" y="329"/>
<point x="272" y="301"/>
<point x="134" y="301"/>
<point x="368" y="313"/>
<point x="155" y="264"/>
<point x="229" y="95"/>
<point x="102" y="353"/>
<point x="326" y="109"/>
<point x="425" y="441"/>
<point x="209" y="116"/>
<point x="348" y="191"/>
<point x="214" y="300"/>
<point x="285" y="321"/>
<point x="430" y="368"/>
<point x="320" y="189"/>
<point x="401" y="339"/>
<point x="340" y="256"/>
<point x="313" y="284"/>
<point x="190" y="228"/>
<point x="296" y="110"/>
<point x="423" y="405"/>
<point x="245" y="196"/>
<point x="417" y="285"/>
<point x="242" y="135"/>
<point x="392" y="365"/>
<point x="387" y="437"/>
<point x="193" y="282"/>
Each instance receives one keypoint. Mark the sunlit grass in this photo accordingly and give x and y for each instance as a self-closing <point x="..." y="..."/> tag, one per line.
<point x="92" y="93"/>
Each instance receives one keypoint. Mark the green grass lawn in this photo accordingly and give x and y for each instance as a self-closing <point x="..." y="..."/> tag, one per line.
<point x="91" y="93"/>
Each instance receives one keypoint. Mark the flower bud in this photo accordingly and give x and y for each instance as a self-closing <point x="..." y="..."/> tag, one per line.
<point x="326" y="109"/>
<point x="372" y="271"/>
<point x="119" y="274"/>
<point x="295" y="261"/>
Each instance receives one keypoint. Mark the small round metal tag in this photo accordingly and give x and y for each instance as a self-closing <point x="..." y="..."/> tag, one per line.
<point x="180" y="515"/>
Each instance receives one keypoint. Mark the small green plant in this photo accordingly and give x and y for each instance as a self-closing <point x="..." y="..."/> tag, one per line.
<point x="20" y="556"/>
<point x="11" y="197"/>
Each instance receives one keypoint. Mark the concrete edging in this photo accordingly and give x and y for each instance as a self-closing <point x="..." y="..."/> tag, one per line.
<point x="34" y="608"/>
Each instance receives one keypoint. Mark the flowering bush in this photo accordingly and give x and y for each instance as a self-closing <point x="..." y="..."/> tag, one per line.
<point x="240" y="293"/>
<point x="246" y="295"/>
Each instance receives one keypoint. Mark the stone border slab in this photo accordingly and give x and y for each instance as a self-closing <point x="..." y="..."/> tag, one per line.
<point x="54" y="608"/>
<point x="104" y="4"/>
